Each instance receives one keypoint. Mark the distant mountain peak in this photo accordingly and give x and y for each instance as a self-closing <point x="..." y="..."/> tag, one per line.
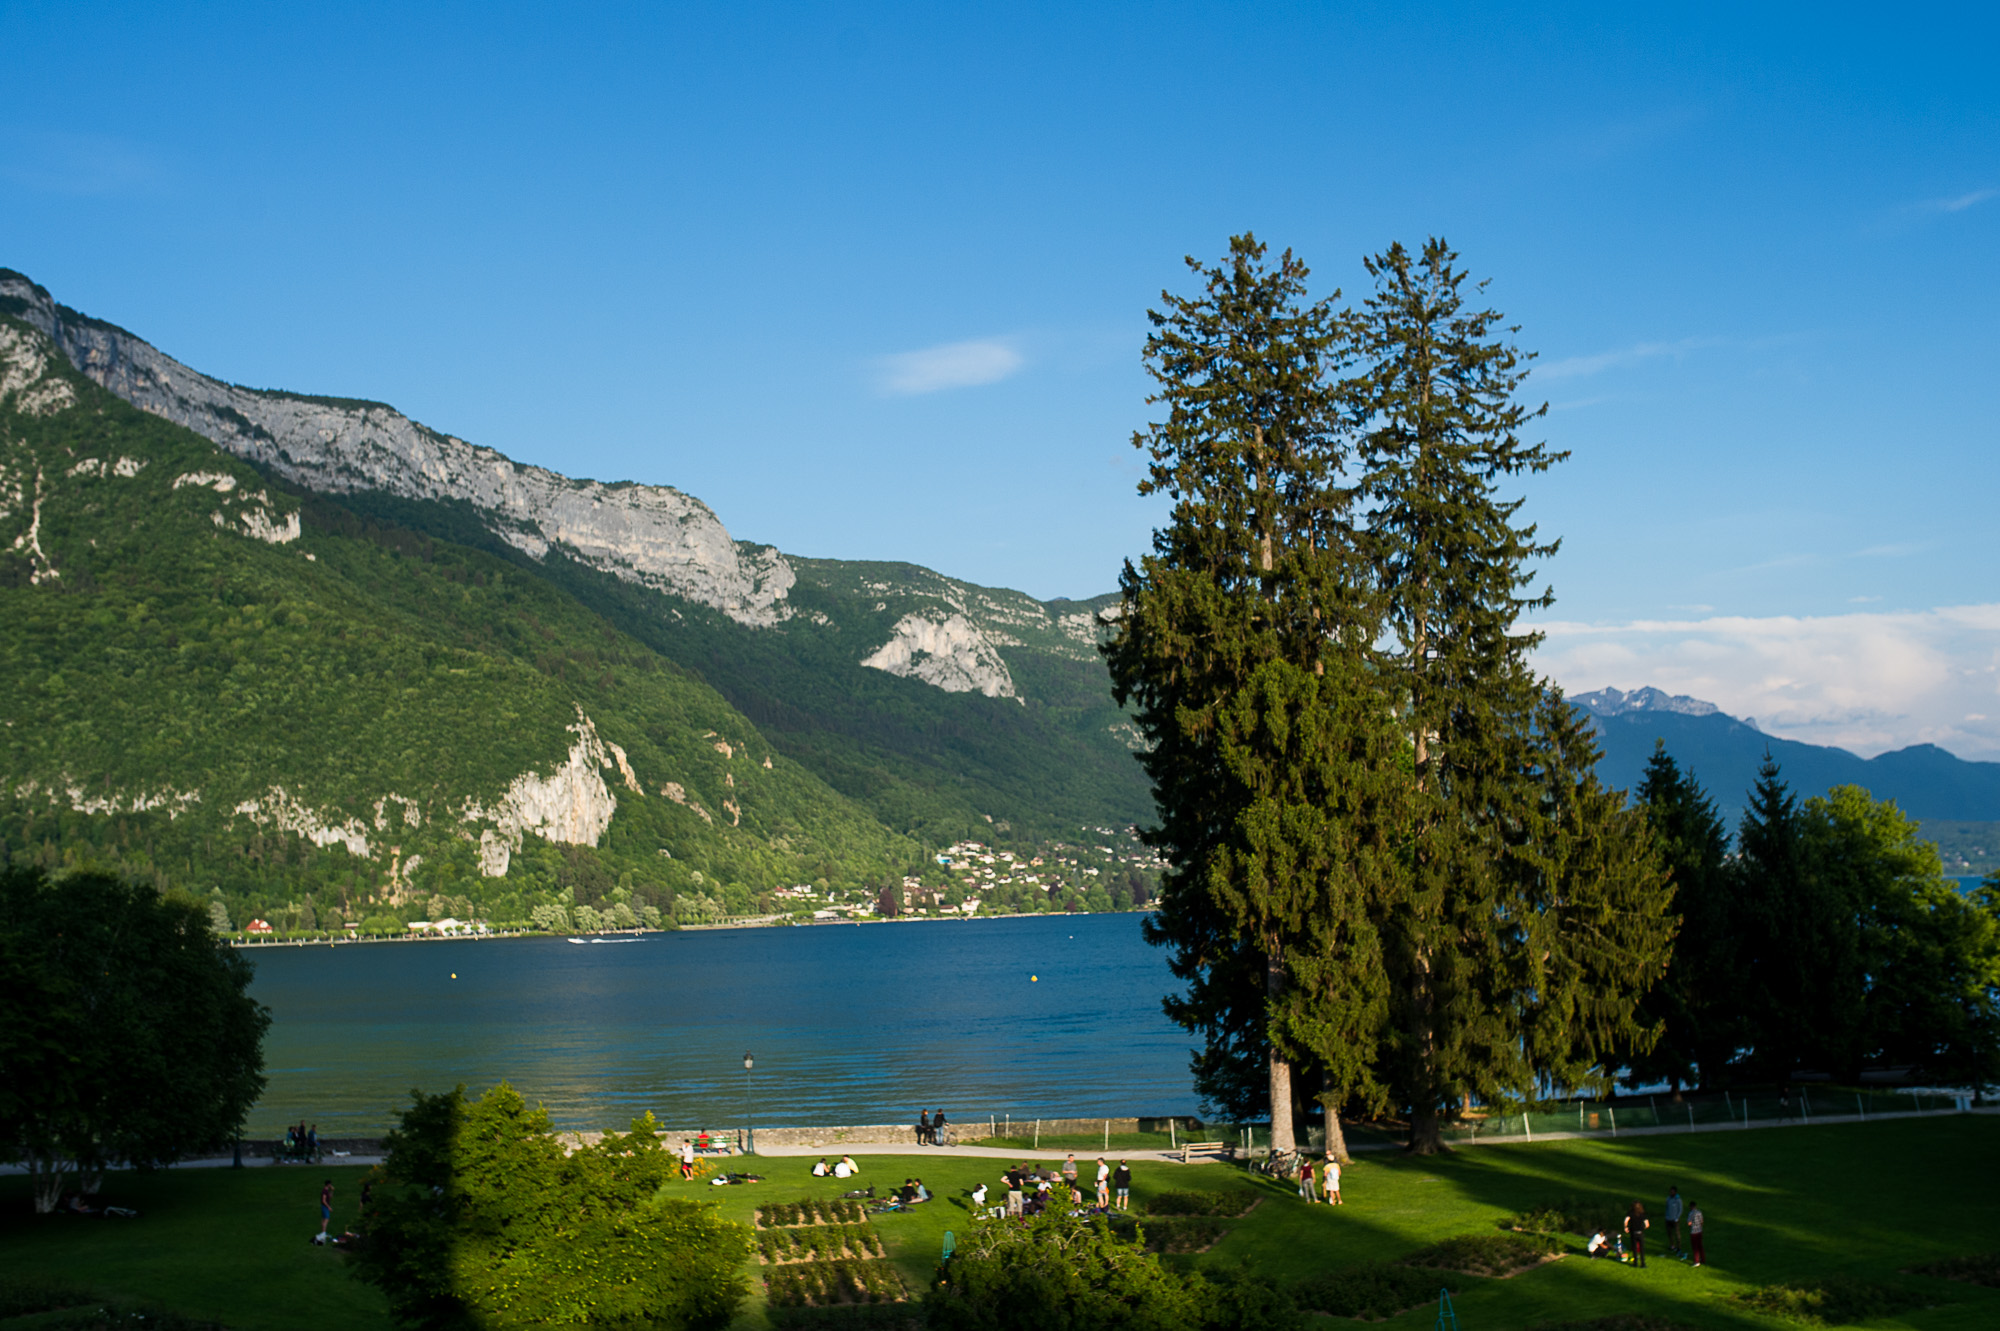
<point x="1616" y="702"/>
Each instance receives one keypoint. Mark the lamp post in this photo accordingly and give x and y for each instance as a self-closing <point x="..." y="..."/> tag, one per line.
<point x="749" y="1127"/>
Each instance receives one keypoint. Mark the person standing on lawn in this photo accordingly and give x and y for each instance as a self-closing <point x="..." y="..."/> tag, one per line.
<point x="325" y="1208"/>
<point x="1307" y="1192"/>
<point x="1673" y="1219"/>
<point x="1103" y="1185"/>
<point x="1696" y="1220"/>
<point x="1635" y="1230"/>
<point x="1069" y="1171"/>
<point x="1330" y="1177"/>
<point x="1121" y="1181"/>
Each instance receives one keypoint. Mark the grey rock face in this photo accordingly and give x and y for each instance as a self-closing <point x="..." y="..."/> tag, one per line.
<point x="1616" y="702"/>
<point x="653" y="535"/>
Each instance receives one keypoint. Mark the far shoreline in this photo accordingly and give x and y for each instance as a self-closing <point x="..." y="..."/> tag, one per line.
<point x="497" y="934"/>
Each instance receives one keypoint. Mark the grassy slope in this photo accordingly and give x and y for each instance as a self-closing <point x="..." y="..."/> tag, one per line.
<point x="1864" y="1200"/>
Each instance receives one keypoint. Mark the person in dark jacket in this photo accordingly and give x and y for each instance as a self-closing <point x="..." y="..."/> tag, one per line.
<point x="937" y="1128"/>
<point x="923" y="1127"/>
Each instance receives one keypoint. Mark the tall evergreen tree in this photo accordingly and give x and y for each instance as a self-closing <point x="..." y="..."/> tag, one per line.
<point x="1798" y="937"/>
<point x="1241" y="648"/>
<point x="1699" y="1005"/>
<point x="1442" y="434"/>
<point x="1587" y="928"/>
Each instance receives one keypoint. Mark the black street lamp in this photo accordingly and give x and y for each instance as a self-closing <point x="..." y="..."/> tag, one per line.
<point x="749" y="1127"/>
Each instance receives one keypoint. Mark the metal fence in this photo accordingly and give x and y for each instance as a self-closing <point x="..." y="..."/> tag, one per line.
<point x="1661" y="1113"/>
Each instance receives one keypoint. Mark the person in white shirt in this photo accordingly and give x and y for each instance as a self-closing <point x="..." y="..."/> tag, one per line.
<point x="687" y="1158"/>
<point x="820" y="1170"/>
<point x="1103" y="1183"/>
<point x="846" y="1168"/>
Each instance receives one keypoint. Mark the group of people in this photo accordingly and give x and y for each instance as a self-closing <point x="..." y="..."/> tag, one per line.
<point x="930" y="1129"/>
<point x="1678" y="1211"/>
<point x="841" y="1168"/>
<point x="302" y="1142"/>
<point x="1032" y="1191"/>
<point x="1319" y="1182"/>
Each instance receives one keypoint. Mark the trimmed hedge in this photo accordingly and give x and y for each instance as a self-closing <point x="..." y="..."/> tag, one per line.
<point x="1373" y="1292"/>
<point x="1981" y="1269"/>
<point x="818" y="1242"/>
<point x="1485" y="1254"/>
<point x="835" y="1282"/>
<point x="1229" y="1203"/>
<point x="811" y="1211"/>
<point x="1835" y="1301"/>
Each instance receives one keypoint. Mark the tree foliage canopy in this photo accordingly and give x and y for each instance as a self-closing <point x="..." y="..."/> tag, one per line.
<point x="127" y="1034"/>
<point x="486" y="1221"/>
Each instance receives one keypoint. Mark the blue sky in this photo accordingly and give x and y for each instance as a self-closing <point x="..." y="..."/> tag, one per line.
<point x="872" y="280"/>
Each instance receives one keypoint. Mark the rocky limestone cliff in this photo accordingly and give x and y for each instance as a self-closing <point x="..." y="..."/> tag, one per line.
<point x="652" y="535"/>
<point x="948" y="652"/>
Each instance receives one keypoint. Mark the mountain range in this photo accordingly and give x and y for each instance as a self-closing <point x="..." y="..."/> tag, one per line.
<point x="322" y="660"/>
<point x="1957" y="801"/>
<point x="303" y="647"/>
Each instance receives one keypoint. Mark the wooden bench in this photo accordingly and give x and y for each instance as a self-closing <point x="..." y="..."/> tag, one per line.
<point x="1191" y="1149"/>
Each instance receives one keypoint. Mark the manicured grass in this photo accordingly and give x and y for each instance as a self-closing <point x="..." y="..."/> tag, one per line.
<point x="1787" y="1207"/>
<point x="215" y="1244"/>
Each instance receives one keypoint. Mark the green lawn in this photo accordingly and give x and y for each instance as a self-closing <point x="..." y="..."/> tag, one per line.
<point x="1861" y="1200"/>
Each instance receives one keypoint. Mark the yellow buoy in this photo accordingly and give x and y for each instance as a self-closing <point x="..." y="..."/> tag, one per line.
<point x="1034" y="979"/>
<point x="454" y="975"/>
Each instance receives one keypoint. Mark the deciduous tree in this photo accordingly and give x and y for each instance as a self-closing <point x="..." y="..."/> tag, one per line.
<point x="130" y="1037"/>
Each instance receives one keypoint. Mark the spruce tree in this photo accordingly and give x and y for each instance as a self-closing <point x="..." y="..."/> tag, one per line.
<point x="1699" y="1006"/>
<point x="1493" y="991"/>
<point x="1241" y="648"/>
<point x="1798" y="937"/>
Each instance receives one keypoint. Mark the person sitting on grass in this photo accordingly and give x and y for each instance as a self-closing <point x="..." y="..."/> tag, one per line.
<point x="846" y="1168"/>
<point x="821" y="1170"/>
<point x="77" y="1206"/>
<point x="1599" y="1245"/>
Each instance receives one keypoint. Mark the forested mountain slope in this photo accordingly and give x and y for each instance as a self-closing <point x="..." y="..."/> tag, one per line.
<point x="235" y="685"/>
<point x="945" y="708"/>
<point x="254" y="628"/>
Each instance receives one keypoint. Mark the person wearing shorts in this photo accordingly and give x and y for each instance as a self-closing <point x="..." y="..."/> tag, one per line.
<point x="1121" y="1183"/>
<point x="1330" y="1175"/>
<point x="325" y="1208"/>
<point x="1103" y="1184"/>
<point x="1696" y="1220"/>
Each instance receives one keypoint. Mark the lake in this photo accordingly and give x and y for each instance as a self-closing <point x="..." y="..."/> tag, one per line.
<point x="848" y="1024"/>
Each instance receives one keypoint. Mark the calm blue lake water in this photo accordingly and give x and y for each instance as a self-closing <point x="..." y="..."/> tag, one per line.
<point x="848" y="1025"/>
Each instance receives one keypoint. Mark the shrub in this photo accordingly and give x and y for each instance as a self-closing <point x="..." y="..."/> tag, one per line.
<point x="1232" y="1202"/>
<point x="1059" y="1272"/>
<point x="1374" y="1292"/>
<point x="484" y="1220"/>
<point x="1485" y="1254"/>
<point x="849" y="1317"/>
<point x="1983" y="1269"/>
<point x="1177" y="1234"/>
<point x="1569" y="1215"/>
<point x="1835" y="1301"/>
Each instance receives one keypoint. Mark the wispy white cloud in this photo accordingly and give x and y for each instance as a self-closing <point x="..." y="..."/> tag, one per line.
<point x="1957" y="203"/>
<point x="952" y="365"/>
<point x="1866" y="680"/>
<point x="1578" y="367"/>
